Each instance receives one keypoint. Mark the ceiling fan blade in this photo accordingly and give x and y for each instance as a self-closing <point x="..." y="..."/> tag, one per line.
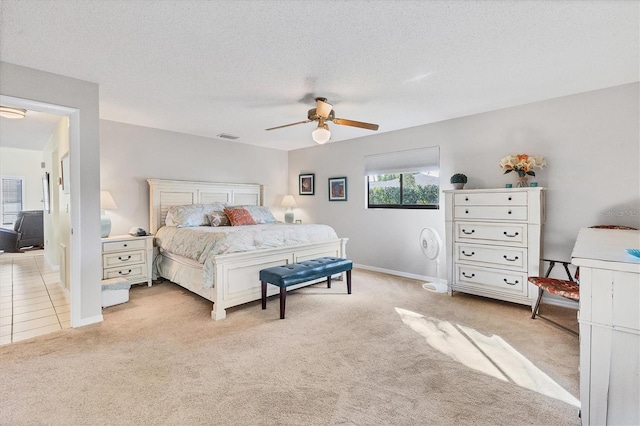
<point x="287" y="125"/>
<point x="345" y="122"/>
<point x="323" y="108"/>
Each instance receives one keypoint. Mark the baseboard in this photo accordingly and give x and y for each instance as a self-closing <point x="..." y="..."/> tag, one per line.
<point x="549" y="300"/>
<point x="88" y="321"/>
<point x="50" y="264"/>
<point x="557" y="301"/>
<point x="400" y="273"/>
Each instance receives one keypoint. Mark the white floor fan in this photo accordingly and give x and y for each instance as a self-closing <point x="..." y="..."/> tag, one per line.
<point x="431" y="244"/>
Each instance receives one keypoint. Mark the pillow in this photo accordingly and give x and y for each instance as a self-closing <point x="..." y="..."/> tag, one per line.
<point x="191" y="215"/>
<point x="261" y="214"/>
<point x="239" y="216"/>
<point x="219" y="218"/>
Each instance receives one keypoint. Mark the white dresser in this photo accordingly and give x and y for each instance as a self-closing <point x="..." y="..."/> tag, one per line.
<point x="494" y="241"/>
<point x="126" y="256"/>
<point x="609" y="320"/>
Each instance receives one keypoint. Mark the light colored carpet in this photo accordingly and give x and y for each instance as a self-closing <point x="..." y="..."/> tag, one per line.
<point x="336" y="359"/>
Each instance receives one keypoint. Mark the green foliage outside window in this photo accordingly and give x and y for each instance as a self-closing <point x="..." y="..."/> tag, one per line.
<point x="402" y="190"/>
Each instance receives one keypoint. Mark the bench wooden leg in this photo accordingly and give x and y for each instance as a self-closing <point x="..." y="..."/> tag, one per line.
<point x="264" y="295"/>
<point x="283" y="297"/>
<point x="329" y="281"/>
<point x="349" y="281"/>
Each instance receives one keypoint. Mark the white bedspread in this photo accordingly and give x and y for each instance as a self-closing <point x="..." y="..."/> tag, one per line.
<point x="201" y="243"/>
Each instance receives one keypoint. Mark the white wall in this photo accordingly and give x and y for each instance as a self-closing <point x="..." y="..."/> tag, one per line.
<point x="590" y="141"/>
<point x="52" y="93"/>
<point x="130" y="154"/>
<point x="24" y="163"/>
<point x="57" y="222"/>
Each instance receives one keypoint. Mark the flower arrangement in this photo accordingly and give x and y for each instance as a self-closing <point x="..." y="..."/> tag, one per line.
<point x="523" y="164"/>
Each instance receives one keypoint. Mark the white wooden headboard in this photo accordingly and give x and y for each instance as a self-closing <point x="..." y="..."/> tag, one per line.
<point x="166" y="193"/>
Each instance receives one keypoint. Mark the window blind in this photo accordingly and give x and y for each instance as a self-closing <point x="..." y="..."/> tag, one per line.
<point x="408" y="161"/>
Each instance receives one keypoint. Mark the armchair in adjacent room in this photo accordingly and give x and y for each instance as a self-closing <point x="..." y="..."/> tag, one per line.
<point x="28" y="230"/>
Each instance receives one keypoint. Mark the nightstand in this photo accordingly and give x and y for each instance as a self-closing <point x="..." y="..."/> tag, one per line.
<point x="126" y="256"/>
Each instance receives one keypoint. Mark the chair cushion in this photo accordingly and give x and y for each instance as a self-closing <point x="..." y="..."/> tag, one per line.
<point x="563" y="288"/>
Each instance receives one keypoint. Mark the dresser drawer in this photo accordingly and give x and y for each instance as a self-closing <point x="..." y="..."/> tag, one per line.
<point x="123" y="258"/>
<point x="493" y="233"/>
<point x="505" y="213"/>
<point x="132" y="272"/>
<point x="509" y="257"/>
<point x="123" y="245"/>
<point x="491" y="199"/>
<point x="492" y="279"/>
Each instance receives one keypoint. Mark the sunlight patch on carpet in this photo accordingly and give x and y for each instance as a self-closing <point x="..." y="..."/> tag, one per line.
<point x="488" y="354"/>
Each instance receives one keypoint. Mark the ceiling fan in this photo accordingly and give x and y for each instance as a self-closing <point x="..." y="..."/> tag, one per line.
<point x="323" y="113"/>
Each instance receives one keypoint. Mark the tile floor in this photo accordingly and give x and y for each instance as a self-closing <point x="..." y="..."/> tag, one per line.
<point x="32" y="301"/>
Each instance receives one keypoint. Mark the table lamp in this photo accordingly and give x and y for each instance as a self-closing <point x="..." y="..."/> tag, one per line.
<point x="106" y="203"/>
<point x="289" y="202"/>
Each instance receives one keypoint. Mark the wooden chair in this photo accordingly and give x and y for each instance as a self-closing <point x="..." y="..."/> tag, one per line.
<point x="569" y="289"/>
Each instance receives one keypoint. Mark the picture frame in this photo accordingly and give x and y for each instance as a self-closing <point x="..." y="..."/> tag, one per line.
<point x="338" y="189"/>
<point x="64" y="174"/>
<point x="306" y="184"/>
<point x="46" y="193"/>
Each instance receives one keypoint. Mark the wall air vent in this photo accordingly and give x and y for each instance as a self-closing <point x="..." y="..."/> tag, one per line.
<point x="228" y="136"/>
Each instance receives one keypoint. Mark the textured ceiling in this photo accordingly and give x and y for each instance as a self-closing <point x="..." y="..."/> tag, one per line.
<point x="238" y="67"/>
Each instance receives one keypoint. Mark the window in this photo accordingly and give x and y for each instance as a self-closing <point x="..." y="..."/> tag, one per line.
<point x="11" y="199"/>
<point x="404" y="179"/>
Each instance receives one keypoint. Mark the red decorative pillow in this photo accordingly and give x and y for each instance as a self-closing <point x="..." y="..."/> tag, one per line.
<point x="239" y="216"/>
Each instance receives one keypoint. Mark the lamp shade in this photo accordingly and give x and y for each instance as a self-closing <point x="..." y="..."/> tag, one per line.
<point x="288" y="201"/>
<point x="106" y="201"/>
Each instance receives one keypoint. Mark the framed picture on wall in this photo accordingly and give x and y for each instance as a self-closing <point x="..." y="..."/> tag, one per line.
<point x="64" y="174"/>
<point x="46" y="193"/>
<point x="338" y="189"/>
<point x="307" y="184"/>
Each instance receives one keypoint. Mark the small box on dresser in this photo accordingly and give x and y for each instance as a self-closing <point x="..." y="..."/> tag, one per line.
<point x="129" y="257"/>
<point x="494" y="241"/>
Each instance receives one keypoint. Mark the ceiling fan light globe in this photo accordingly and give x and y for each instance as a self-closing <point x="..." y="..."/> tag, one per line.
<point x="321" y="135"/>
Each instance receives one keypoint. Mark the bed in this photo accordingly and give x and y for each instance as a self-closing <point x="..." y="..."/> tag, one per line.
<point x="230" y="278"/>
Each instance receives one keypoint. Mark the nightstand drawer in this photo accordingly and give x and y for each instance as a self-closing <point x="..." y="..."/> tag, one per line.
<point x="128" y="272"/>
<point x="123" y="258"/>
<point x="491" y="212"/>
<point x="129" y="244"/>
<point x="493" y="233"/>
<point x="509" y="257"/>
<point x="491" y="199"/>
<point x="487" y="278"/>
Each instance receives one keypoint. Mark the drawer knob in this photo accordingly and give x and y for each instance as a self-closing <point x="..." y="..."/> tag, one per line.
<point x="467" y="254"/>
<point x="124" y="260"/>
<point x="509" y="212"/>
<point x="469" y="276"/>
<point x="466" y="211"/>
<point x="509" y="198"/>
<point x="505" y="280"/>
<point x="125" y="273"/>
<point x="464" y="231"/>
<point x="511" y="235"/>
<point x="124" y="245"/>
<point x="510" y="260"/>
<point x="466" y="198"/>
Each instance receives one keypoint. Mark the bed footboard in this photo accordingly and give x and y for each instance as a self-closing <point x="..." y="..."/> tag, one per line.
<point x="237" y="274"/>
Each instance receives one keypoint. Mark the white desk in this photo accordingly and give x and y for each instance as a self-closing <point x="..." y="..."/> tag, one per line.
<point x="609" y="320"/>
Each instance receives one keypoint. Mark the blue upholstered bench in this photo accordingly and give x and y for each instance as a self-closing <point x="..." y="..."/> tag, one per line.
<point x="301" y="272"/>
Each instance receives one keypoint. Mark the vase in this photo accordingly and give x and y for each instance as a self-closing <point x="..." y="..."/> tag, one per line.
<point x="523" y="181"/>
